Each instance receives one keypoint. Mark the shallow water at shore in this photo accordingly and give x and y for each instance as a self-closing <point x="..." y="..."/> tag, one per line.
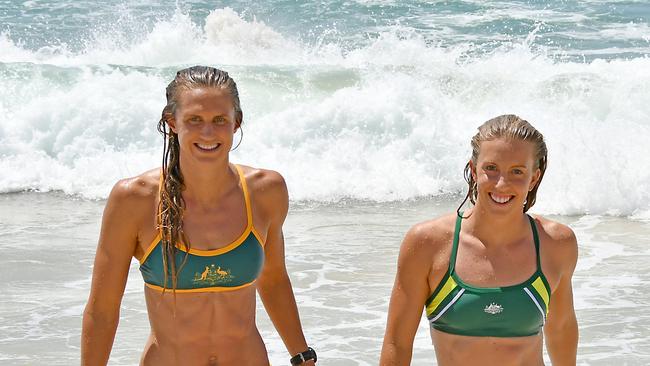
<point x="341" y="258"/>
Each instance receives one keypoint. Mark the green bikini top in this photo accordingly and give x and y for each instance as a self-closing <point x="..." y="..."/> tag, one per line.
<point x="511" y="311"/>
<point x="231" y="267"/>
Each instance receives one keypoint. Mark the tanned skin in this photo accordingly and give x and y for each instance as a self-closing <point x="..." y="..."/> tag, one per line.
<point x="210" y="328"/>
<point x="496" y="249"/>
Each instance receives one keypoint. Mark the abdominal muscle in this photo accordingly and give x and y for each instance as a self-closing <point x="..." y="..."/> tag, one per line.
<point x="209" y="329"/>
<point x="453" y="350"/>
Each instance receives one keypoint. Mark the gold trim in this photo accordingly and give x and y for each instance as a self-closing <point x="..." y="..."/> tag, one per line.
<point x="150" y="248"/>
<point x="212" y="252"/>
<point x="258" y="237"/>
<point x="205" y="289"/>
<point x="244" y="186"/>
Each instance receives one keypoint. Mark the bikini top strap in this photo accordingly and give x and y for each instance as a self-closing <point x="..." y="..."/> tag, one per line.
<point x="454" y="247"/>
<point x="244" y="187"/>
<point x="536" y="239"/>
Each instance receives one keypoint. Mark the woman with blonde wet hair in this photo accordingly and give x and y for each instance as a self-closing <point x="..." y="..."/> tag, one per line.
<point x="494" y="281"/>
<point x="207" y="233"/>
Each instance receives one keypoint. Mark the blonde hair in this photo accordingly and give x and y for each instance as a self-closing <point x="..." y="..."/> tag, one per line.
<point x="170" y="219"/>
<point x="513" y="127"/>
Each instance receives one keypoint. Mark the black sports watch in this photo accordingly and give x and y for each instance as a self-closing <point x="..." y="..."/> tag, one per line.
<point x="309" y="354"/>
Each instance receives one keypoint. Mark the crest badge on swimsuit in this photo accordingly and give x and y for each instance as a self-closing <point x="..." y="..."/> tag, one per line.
<point x="213" y="275"/>
<point x="493" y="309"/>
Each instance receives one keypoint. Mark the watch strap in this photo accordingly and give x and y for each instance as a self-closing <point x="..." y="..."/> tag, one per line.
<point x="301" y="357"/>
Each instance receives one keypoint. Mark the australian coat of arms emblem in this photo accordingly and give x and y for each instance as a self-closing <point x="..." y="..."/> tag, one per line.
<point x="213" y="275"/>
<point x="493" y="309"/>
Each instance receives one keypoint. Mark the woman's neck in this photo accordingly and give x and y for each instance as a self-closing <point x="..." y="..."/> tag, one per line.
<point x="207" y="184"/>
<point x="496" y="229"/>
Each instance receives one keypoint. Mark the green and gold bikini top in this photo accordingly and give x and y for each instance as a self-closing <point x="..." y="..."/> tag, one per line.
<point x="511" y="311"/>
<point x="231" y="267"/>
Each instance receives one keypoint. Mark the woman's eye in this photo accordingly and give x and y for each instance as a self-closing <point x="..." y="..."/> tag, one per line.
<point x="219" y="120"/>
<point x="195" y="120"/>
<point x="517" y="171"/>
<point x="491" y="168"/>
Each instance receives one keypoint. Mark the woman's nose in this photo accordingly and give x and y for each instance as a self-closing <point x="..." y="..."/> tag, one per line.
<point x="501" y="181"/>
<point x="208" y="129"/>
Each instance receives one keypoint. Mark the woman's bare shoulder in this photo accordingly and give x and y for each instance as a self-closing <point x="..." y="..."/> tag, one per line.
<point x="264" y="181"/>
<point x="136" y="194"/>
<point x="432" y="236"/>
<point x="556" y="232"/>
<point x="558" y="240"/>
<point x="268" y="190"/>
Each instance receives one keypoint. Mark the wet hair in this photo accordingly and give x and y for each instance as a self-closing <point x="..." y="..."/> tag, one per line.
<point x="507" y="126"/>
<point x="171" y="205"/>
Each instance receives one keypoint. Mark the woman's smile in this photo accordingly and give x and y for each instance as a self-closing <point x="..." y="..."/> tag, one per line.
<point x="500" y="198"/>
<point x="207" y="147"/>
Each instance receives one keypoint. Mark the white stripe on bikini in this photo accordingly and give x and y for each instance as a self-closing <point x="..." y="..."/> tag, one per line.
<point x="536" y="303"/>
<point x="448" y="305"/>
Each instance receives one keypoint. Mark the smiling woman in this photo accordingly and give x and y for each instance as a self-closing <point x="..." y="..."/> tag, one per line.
<point x="486" y="276"/>
<point x="207" y="233"/>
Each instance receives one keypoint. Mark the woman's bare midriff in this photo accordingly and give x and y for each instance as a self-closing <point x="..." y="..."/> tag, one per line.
<point x="208" y="329"/>
<point x="457" y="350"/>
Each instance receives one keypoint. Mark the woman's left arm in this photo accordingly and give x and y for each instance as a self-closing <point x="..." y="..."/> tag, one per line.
<point x="561" y="329"/>
<point x="274" y="285"/>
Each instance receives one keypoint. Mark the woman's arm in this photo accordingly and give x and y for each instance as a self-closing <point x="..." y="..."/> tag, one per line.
<point x="561" y="328"/>
<point x="273" y="284"/>
<point x="117" y="242"/>
<point x="410" y="292"/>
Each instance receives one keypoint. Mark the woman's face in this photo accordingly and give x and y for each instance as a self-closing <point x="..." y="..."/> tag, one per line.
<point x="205" y="123"/>
<point x="504" y="173"/>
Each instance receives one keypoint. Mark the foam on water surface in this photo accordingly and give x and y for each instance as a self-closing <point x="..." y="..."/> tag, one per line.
<point x="365" y="107"/>
<point x="390" y="120"/>
<point x="342" y="287"/>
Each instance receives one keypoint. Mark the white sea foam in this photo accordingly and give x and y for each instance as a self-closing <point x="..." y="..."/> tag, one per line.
<point x="639" y="31"/>
<point x="390" y="120"/>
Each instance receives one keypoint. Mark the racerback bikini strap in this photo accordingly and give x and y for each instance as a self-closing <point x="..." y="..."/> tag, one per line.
<point x="536" y="239"/>
<point x="454" y="246"/>
<point x="244" y="187"/>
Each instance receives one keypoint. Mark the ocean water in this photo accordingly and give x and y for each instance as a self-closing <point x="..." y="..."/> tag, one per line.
<point x="368" y="100"/>
<point x="342" y="287"/>
<point x="366" y="107"/>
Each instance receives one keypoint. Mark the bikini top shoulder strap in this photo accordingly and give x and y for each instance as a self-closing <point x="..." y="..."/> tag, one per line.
<point x="244" y="187"/>
<point x="536" y="239"/>
<point x="454" y="247"/>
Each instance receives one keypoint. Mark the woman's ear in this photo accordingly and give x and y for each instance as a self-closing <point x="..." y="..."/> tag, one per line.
<point x="239" y="118"/>
<point x="535" y="180"/>
<point x="472" y="169"/>
<point x="170" y="120"/>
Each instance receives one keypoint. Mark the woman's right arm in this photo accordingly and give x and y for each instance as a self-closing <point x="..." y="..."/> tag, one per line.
<point x="117" y="243"/>
<point x="410" y="292"/>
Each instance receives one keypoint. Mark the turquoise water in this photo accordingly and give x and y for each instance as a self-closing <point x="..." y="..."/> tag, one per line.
<point x="362" y="100"/>
<point x="365" y="107"/>
<point x="587" y="28"/>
